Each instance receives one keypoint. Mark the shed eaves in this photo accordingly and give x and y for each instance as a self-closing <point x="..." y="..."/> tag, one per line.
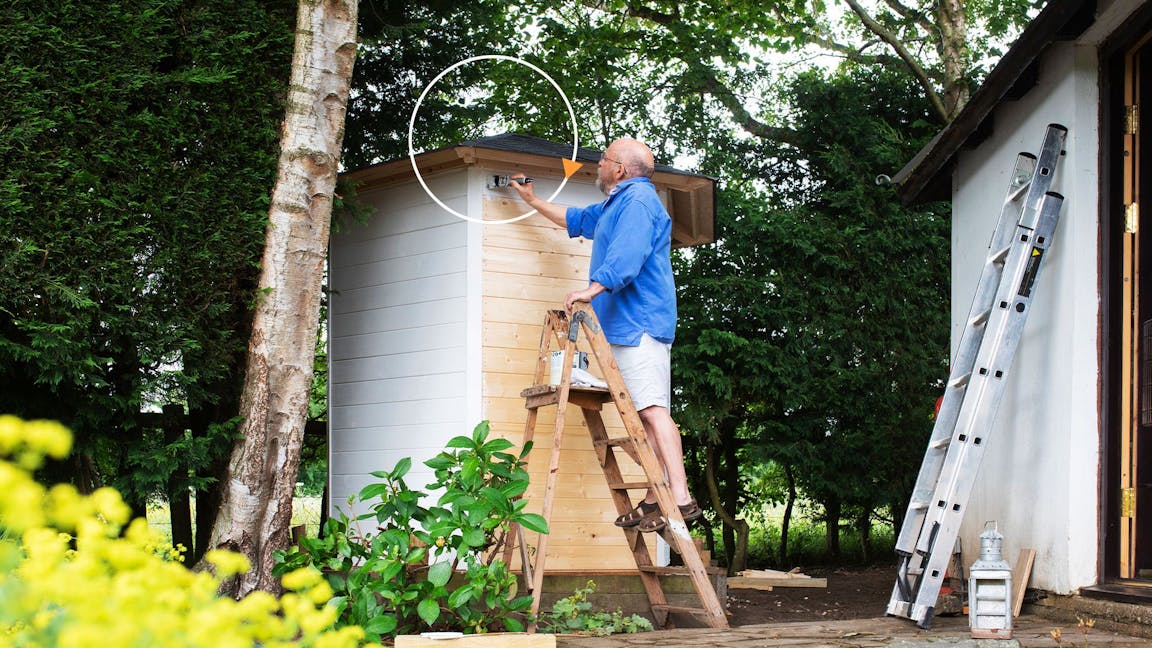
<point x="925" y="177"/>
<point x="540" y="146"/>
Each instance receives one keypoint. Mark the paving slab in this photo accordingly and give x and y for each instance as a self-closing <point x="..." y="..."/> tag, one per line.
<point x="1030" y="631"/>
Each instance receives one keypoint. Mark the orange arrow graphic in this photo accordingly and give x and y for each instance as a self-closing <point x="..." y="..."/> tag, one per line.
<point x="570" y="167"/>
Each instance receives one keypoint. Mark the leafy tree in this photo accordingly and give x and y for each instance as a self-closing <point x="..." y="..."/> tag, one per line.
<point x="404" y="46"/>
<point x="134" y="174"/>
<point x="814" y="333"/>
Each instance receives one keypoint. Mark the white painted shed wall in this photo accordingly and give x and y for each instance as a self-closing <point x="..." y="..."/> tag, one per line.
<point x="1038" y="480"/>
<point x="400" y="365"/>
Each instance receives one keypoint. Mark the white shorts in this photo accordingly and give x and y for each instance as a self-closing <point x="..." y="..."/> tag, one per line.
<point x="647" y="371"/>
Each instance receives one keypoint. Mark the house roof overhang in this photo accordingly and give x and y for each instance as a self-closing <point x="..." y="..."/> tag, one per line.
<point x="691" y="196"/>
<point x="927" y="176"/>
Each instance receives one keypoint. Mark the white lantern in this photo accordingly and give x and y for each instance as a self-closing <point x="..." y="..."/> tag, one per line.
<point x="990" y="589"/>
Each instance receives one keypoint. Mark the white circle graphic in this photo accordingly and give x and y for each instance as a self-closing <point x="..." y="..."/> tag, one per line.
<point x="416" y="109"/>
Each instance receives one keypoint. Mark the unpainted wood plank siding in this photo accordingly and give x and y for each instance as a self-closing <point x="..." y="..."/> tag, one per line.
<point x="397" y="324"/>
<point x="528" y="267"/>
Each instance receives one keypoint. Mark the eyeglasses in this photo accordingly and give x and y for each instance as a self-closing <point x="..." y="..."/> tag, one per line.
<point x="605" y="157"/>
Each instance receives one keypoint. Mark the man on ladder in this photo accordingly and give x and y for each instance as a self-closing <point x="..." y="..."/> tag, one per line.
<point x="634" y="296"/>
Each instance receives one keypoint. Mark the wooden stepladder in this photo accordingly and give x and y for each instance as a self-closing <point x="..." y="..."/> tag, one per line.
<point x="564" y="329"/>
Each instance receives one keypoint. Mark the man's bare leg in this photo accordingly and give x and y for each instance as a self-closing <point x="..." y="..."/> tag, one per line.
<point x="665" y="436"/>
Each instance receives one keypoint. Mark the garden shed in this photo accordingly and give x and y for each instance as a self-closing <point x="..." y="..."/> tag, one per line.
<point x="435" y="321"/>
<point x="1069" y="461"/>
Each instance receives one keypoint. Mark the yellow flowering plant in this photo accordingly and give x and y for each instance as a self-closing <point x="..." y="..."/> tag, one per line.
<point x="75" y="571"/>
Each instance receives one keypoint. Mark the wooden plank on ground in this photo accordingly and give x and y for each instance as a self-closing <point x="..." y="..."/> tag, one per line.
<point x="766" y="579"/>
<point x="1020" y="575"/>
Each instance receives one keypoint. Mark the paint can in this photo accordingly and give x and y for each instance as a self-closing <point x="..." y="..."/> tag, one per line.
<point x="556" y="364"/>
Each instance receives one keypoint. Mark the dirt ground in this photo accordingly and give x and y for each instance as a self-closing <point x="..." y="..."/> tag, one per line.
<point x="852" y="593"/>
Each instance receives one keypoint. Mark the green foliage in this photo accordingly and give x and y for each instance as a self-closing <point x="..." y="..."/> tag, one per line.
<point x="404" y="45"/>
<point x="814" y="334"/>
<point x="138" y="144"/>
<point x="395" y="578"/>
<point x="807" y="545"/>
<point x="574" y="614"/>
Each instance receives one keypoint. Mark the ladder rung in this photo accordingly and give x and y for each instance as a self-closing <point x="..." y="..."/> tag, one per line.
<point x="629" y="485"/>
<point x="916" y="506"/>
<point x="678" y="609"/>
<point x="1000" y="255"/>
<point x="940" y="443"/>
<point x="678" y="571"/>
<point x="961" y="381"/>
<point x="980" y="318"/>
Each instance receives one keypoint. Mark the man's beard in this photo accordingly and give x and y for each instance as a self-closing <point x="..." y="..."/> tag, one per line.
<point x="600" y="185"/>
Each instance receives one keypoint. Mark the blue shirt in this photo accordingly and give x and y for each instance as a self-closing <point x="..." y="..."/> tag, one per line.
<point x="631" y="236"/>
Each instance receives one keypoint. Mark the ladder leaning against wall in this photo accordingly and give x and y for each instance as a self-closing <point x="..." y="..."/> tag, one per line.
<point x="980" y="371"/>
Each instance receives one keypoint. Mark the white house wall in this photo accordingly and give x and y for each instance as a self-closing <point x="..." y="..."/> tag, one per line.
<point x="398" y="327"/>
<point x="1038" y="480"/>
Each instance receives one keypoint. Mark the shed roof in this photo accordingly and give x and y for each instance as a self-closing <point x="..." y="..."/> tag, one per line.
<point x="926" y="176"/>
<point x="691" y="196"/>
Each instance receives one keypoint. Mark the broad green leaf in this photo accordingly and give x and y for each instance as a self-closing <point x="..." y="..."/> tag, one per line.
<point x="429" y="610"/>
<point x="402" y="468"/>
<point x="533" y="522"/>
<point x="440" y="462"/>
<point x="460" y="597"/>
<point x="372" y="491"/>
<point x="496" y="445"/>
<point x="440" y="573"/>
<point x="475" y="537"/>
<point x="381" y="625"/>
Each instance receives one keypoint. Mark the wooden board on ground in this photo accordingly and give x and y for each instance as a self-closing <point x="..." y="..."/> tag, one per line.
<point x="493" y="640"/>
<point x="1020" y="574"/>
<point x="766" y="579"/>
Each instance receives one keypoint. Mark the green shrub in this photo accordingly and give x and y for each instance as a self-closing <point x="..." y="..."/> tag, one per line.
<point x="393" y="578"/>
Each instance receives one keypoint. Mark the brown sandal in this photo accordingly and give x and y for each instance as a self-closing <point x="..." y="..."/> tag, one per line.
<point x="652" y="523"/>
<point x="690" y="511"/>
<point x="637" y="515"/>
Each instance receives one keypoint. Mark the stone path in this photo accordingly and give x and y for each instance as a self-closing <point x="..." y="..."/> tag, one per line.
<point x="1030" y="632"/>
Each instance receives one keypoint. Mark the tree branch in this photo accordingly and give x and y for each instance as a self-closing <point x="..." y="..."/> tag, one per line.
<point x="715" y="87"/>
<point x="916" y="15"/>
<point x="888" y="37"/>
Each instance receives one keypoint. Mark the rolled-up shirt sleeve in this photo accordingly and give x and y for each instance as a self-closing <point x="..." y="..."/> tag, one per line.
<point x="582" y="222"/>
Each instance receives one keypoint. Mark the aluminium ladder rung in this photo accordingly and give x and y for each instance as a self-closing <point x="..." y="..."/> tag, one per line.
<point x="961" y="381"/>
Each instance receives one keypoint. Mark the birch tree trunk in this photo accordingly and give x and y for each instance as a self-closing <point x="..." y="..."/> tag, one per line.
<point x="257" y="504"/>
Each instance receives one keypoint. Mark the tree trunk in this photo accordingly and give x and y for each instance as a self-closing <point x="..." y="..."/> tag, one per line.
<point x="864" y="530"/>
<point x="832" y="508"/>
<point x="737" y="548"/>
<point x="954" y="55"/>
<point x="179" y="505"/>
<point x="256" y="509"/>
<point x="787" y="521"/>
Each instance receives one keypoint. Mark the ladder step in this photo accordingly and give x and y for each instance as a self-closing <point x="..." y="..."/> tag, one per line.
<point x="1000" y="255"/>
<point x="678" y="609"/>
<point x="981" y="317"/>
<point x="961" y="381"/>
<point x="940" y="443"/>
<point x="679" y="571"/>
<point x="628" y="485"/>
<point x="617" y="442"/>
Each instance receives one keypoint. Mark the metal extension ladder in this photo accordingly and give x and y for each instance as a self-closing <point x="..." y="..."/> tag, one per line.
<point x="564" y="329"/>
<point x="977" y="380"/>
